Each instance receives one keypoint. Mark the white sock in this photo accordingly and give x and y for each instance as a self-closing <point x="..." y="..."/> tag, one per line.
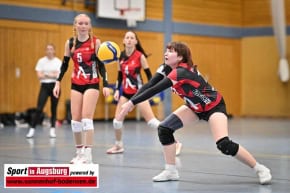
<point x="119" y="143"/>
<point x="79" y="149"/>
<point x="153" y="123"/>
<point x="170" y="167"/>
<point x="257" y="167"/>
<point x="88" y="149"/>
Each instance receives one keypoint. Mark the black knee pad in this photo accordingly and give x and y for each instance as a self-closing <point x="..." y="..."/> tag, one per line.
<point x="165" y="135"/>
<point x="227" y="146"/>
<point x="172" y="121"/>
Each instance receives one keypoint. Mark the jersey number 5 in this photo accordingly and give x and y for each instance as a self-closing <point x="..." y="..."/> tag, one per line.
<point x="79" y="57"/>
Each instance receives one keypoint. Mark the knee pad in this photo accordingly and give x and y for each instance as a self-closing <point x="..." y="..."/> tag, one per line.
<point x="76" y="126"/>
<point x="153" y="123"/>
<point x="117" y="124"/>
<point x="88" y="124"/>
<point x="227" y="147"/>
<point x="165" y="135"/>
<point x="172" y="121"/>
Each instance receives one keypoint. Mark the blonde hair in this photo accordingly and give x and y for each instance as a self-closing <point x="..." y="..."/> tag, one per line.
<point x="91" y="34"/>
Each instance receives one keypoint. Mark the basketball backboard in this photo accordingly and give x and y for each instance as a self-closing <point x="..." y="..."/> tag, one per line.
<point x="130" y="10"/>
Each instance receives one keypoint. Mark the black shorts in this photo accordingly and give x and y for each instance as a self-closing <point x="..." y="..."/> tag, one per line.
<point x="221" y="107"/>
<point x="127" y="96"/>
<point x="83" y="88"/>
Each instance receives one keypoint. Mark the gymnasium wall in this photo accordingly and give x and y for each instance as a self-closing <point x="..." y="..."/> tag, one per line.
<point x="211" y="12"/>
<point x="229" y="40"/>
<point x="263" y="94"/>
<point x="257" y="13"/>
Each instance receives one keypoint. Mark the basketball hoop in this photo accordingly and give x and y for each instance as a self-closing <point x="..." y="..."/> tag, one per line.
<point x="131" y="21"/>
<point x="122" y="12"/>
<point x="130" y="11"/>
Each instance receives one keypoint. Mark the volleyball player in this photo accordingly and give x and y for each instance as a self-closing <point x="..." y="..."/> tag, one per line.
<point x="129" y="81"/>
<point x="202" y="101"/>
<point x="82" y="48"/>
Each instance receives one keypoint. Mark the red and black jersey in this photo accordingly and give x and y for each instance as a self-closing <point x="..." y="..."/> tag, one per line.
<point x="85" y="67"/>
<point x="163" y="69"/>
<point x="130" y="67"/>
<point x="198" y="94"/>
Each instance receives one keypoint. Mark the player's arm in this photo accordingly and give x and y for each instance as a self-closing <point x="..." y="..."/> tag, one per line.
<point x="103" y="72"/>
<point x="161" y="72"/>
<point x="153" y="81"/>
<point x="151" y="91"/>
<point x="65" y="61"/>
<point x="145" y="66"/>
<point x="63" y="69"/>
<point x="118" y="83"/>
<point x="119" y="80"/>
<point x="101" y="65"/>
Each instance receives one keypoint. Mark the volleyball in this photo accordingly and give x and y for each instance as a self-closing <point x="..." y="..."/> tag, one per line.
<point x="108" y="52"/>
<point x="156" y="100"/>
<point x="109" y="99"/>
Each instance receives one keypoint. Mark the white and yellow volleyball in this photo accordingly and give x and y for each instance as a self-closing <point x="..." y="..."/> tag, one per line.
<point x="109" y="52"/>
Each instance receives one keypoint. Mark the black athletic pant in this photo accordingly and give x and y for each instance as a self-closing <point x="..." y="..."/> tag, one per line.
<point x="46" y="90"/>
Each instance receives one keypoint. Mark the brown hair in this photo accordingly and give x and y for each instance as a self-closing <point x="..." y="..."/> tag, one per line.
<point x="182" y="50"/>
<point x="75" y="32"/>
<point x="138" y="45"/>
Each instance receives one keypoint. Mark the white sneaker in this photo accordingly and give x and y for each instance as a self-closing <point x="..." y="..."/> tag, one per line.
<point x="84" y="160"/>
<point x="78" y="156"/>
<point x="30" y="133"/>
<point x="264" y="174"/>
<point x="115" y="149"/>
<point x="52" y="133"/>
<point x="166" y="175"/>
<point x="87" y="158"/>
<point x="84" y="156"/>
